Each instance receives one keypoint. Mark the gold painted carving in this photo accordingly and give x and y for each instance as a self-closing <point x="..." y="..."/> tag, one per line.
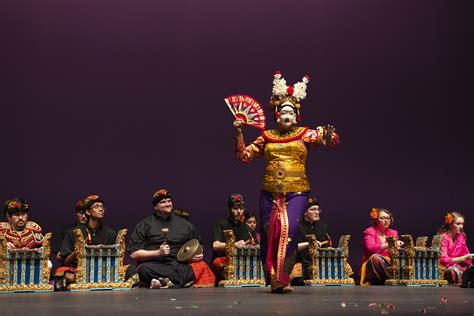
<point x="100" y="285"/>
<point x="347" y="281"/>
<point x="3" y="259"/>
<point x="313" y="253"/>
<point x="31" y="287"/>
<point x="229" y="269"/>
<point x="421" y="242"/>
<point x="409" y="250"/>
<point x="415" y="282"/>
<point x="121" y="242"/>
<point x="394" y="273"/>
<point x="231" y="283"/>
<point x="79" y="245"/>
<point x="45" y="257"/>
<point x="344" y="244"/>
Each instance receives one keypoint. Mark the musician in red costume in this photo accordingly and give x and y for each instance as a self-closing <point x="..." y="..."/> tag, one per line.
<point x="285" y="186"/>
<point x="19" y="232"/>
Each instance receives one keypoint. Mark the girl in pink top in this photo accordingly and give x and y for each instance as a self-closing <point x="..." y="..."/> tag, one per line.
<point x="454" y="253"/>
<point x="375" y="258"/>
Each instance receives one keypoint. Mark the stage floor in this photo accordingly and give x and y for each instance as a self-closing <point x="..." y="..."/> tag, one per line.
<point x="249" y="301"/>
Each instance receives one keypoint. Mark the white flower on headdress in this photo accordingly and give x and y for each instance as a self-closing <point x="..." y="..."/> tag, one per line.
<point x="279" y="84"/>
<point x="281" y="89"/>
<point x="300" y="89"/>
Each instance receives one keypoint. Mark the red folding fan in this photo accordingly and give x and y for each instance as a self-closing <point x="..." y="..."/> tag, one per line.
<point x="247" y="109"/>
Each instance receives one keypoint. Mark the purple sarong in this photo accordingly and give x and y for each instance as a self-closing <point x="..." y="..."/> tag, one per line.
<point x="279" y="214"/>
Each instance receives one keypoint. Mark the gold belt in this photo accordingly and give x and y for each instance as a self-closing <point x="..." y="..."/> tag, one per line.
<point x="281" y="173"/>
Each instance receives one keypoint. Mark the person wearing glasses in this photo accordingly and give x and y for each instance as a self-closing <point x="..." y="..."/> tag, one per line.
<point x="374" y="270"/>
<point x="310" y="224"/>
<point x="94" y="233"/>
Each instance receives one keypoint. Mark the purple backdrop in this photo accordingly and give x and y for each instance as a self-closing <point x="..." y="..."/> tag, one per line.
<point x="121" y="98"/>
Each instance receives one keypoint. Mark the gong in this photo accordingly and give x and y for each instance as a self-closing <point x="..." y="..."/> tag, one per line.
<point x="189" y="250"/>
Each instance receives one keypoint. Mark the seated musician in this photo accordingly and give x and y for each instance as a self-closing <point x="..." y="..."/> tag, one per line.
<point x="374" y="270"/>
<point x="251" y="222"/>
<point x="310" y="224"/>
<point x="234" y="222"/>
<point x="19" y="232"/>
<point x="94" y="233"/>
<point x="81" y="219"/>
<point x="155" y="243"/>
<point x="455" y="256"/>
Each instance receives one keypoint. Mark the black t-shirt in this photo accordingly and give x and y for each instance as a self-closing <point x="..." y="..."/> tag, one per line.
<point x="148" y="235"/>
<point x="318" y="229"/>
<point x="241" y="232"/>
<point x="100" y="236"/>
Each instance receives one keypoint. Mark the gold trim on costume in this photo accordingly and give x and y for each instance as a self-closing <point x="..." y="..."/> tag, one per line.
<point x="276" y="136"/>
<point x="285" y="169"/>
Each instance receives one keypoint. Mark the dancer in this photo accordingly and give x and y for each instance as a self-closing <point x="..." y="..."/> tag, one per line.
<point x="285" y="186"/>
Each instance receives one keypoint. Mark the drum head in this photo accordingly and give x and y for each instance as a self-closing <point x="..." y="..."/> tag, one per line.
<point x="189" y="250"/>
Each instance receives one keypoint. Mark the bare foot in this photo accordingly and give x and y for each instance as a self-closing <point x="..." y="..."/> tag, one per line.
<point x="155" y="284"/>
<point x="288" y="289"/>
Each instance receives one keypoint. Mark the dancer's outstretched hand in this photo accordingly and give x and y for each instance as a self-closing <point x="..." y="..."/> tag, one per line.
<point x="327" y="135"/>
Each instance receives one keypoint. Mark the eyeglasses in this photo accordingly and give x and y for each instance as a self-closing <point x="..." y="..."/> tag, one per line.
<point x="98" y="206"/>
<point x="383" y="218"/>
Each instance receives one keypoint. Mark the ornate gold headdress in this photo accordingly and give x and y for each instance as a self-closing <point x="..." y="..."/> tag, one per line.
<point x="288" y="95"/>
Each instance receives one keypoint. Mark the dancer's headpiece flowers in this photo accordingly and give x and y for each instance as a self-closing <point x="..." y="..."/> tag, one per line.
<point x="284" y="95"/>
